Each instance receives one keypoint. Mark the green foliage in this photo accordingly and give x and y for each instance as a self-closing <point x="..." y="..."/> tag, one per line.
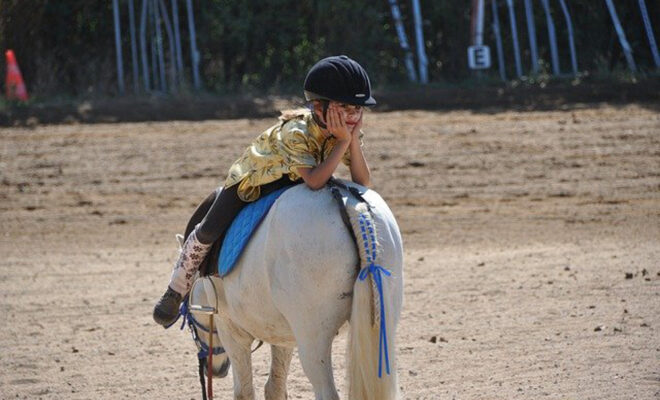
<point x="66" y="47"/>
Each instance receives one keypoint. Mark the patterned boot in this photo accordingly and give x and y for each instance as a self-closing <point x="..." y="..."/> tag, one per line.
<point x="192" y="254"/>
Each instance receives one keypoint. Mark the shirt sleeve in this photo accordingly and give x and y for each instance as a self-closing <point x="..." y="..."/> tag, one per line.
<point x="294" y="147"/>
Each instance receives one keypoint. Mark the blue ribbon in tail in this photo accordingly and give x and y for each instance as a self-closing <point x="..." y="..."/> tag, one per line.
<point x="375" y="270"/>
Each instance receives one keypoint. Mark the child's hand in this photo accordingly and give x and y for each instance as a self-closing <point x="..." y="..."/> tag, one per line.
<point x="355" y="132"/>
<point x="337" y="124"/>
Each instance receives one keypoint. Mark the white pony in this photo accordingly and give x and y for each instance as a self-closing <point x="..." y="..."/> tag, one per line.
<point x="296" y="284"/>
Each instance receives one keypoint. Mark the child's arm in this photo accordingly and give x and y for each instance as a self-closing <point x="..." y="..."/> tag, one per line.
<point x="318" y="176"/>
<point x="360" y="173"/>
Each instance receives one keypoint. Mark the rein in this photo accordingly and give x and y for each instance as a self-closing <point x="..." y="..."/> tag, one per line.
<point x="203" y="349"/>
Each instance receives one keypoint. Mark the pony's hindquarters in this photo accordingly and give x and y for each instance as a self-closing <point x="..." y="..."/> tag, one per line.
<point x="367" y="355"/>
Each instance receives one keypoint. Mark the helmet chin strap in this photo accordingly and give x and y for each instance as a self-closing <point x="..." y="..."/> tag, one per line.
<point x="318" y="121"/>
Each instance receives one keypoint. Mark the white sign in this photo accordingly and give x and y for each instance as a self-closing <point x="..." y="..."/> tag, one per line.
<point x="479" y="57"/>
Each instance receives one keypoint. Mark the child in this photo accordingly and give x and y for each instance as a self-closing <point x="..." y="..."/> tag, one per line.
<point x="305" y="145"/>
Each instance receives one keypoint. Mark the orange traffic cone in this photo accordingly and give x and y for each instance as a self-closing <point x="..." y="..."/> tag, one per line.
<point x="15" y="85"/>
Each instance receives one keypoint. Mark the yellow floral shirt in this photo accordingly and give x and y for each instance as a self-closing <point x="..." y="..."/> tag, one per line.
<point x="296" y="143"/>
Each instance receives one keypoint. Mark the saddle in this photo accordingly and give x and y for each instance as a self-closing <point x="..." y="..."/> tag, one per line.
<point x="229" y="246"/>
<point x="209" y="265"/>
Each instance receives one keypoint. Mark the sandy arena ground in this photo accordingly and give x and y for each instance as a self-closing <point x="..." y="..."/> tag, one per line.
<point x="532" y="248"/>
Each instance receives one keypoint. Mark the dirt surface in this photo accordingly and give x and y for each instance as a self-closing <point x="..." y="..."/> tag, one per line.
<point x="532" y="242"/>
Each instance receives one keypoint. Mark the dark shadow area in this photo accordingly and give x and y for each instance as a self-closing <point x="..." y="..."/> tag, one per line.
<point x="554" y="96"/>
<point x="488" y="99"/>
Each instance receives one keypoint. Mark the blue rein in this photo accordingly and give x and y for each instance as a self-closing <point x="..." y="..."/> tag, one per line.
<point x="375" y="271"/>
<point x="189" y="318"/>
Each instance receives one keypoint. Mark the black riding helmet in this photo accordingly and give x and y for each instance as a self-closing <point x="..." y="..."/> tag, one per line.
<point x="340" y="79"/>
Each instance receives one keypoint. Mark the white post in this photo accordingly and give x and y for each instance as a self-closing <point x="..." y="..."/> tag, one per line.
<point x="120" y="62"/>
<point x="479" y="37"/>
<point x="177" y="38"/>
<point x="498" y="41"/>
<point x="422" y="61"/>
<point x="159" y="46"/>
<point x="649" y="32"/>
<point x="552" y="37"/>
<point x="627" y="51"/>
<point x="170" y="39"/>
<point x="143" y="45"/>
<point x="134" y="57"/>
<point x="514" y="36"/>
<point x="194" y="54"/>
<point x="571" y="40"/>
<point x="531" y="31"/>
<point x="403" y="40"/>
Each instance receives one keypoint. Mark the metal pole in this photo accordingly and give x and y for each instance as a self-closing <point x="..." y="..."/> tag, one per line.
<point x="170" y="39"/>
<point x="209" y="368"/>
<point x="552" y="37"/>
<point x="649" y="32"/>
<point x="571" y="41"/>
<point x="627" y="51"/>
<point x="120" y="62"/>
<point x="210" y="311"/>
<point x="514" y="36"/>
<point x="159" y="47"/>
<point x="134" y="57"/>
<point x="177" y="39"/>
<point x="531" y="31"/>
<point x="143" y="45"/>
<point x="154" y="51"/>
<point x="498" y="41"/>
<point x="193" y="45"/>
<point x="422" y="62"/>
<point x="479" y="26"/>
<point x="403" y="41"/>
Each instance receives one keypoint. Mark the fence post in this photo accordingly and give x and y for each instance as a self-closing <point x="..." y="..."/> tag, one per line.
<point x="403" y="41"/>
<point x="120" y="62"/>
<point x="649" y="32"/>
<point x="514" y="36"/>
<point x="498" y="41"/>
<point x="552" y="37"/>
<point x="177" y="38"/>
<point x="627" y="51"/>
<point x="571" y="41"/>
<point x="134" y="57"/>
<point x="143" y="45"/>
<point x="531" y="31"/>
<point x="422" y="62"/>
<point x="193" y="45"/>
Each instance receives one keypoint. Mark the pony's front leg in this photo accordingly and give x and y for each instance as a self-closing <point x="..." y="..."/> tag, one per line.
<point x="279" y="370"/>
<point x="237" y="345"/>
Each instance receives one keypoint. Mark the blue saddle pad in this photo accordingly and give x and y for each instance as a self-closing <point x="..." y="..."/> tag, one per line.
<point x="239" y="233"/>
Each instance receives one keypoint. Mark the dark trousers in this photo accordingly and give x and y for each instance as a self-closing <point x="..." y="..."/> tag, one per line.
<point x="226" y="206"/>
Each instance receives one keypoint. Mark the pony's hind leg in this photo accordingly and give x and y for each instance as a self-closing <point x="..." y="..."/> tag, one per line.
<point x="279" y="370"/>
<point x="316" y="358"/>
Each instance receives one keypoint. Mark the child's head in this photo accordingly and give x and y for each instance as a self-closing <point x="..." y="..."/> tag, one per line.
<point x="339" y="81"/>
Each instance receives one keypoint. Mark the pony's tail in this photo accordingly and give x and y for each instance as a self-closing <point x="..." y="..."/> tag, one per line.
<point x="364" y="346"/>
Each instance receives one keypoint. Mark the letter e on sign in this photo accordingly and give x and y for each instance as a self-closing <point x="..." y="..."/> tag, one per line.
<point x="479" y="57"/>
